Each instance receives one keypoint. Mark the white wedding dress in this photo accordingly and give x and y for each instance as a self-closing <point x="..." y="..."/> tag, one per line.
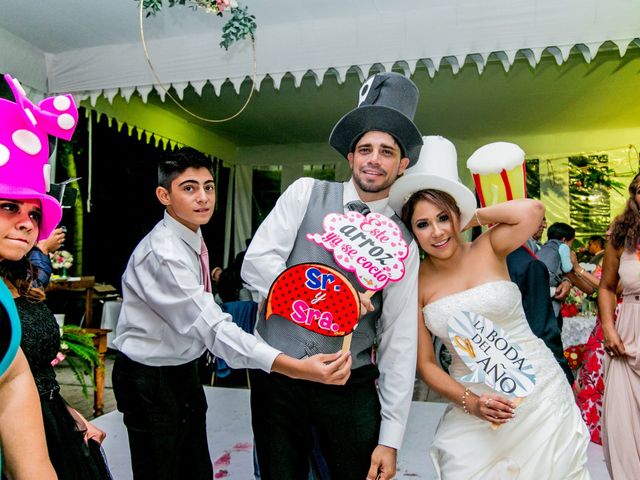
<point x="547" y="439"/>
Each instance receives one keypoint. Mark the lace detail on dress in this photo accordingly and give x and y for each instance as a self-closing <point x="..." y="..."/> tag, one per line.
<point x="40" y="342"/>
<point x="500" y="302"/>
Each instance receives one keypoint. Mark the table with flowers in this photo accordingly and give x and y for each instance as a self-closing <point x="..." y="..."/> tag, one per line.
<point x="576" y="330"/>
<point x="579" y="319"/>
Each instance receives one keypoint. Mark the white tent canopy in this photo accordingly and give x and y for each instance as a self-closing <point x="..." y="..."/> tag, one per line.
<point x="555" y="77"/>
<point x="306" y="51"/>
<point x="94" y="47"/>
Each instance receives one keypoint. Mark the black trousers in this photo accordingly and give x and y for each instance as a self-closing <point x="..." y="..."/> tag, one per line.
<point x="164" y="411"/>
<point x="346" y="420"/>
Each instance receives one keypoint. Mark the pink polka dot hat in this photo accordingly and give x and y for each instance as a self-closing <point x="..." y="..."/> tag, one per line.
<point x="24" y="148"/>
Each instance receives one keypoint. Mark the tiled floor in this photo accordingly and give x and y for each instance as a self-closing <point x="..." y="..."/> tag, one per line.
<point x="412" y="459"/>
<point x="72" y="392"/>
<point x="230" y="439"/>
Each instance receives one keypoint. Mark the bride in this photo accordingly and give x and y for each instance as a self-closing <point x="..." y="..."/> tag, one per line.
<point x="543" y="437"/>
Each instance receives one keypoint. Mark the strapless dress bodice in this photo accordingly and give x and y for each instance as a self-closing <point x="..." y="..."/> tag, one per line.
<point x="547" y="437"/>
<point x="501" y="302"/>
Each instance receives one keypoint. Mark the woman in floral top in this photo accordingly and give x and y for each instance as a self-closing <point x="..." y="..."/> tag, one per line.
<point x="590" y="384"/>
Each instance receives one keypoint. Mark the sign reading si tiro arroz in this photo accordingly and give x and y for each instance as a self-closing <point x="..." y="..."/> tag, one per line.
<point x="370" y="246"/>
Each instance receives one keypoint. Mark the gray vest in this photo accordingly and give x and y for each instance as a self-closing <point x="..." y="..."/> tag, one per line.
<point x="550" y="256"/>
<point x="298" y="342"/>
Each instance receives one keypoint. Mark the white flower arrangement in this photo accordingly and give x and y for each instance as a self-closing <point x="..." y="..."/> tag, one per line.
<point x="61" y="259"/>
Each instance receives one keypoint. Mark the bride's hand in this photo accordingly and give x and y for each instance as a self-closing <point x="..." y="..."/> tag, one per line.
<point x="493" y="408"/>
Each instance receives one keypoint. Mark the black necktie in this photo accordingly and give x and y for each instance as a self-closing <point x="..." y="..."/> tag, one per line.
<point x="358" y="206"/>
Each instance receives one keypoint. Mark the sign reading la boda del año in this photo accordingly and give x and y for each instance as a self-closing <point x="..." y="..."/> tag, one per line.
<point x="493" y="358"/>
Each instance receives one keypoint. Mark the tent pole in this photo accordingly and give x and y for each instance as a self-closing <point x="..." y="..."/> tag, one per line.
<point x="90" y="156"/>
<point x="228" y="233"/>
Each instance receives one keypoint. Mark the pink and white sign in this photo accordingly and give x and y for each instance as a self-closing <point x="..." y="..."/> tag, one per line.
<point x="370" y="246"/>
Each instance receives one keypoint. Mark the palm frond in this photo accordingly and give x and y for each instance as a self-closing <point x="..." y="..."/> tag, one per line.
<point x="78" y="368"/>
<point x="81" y="354"/>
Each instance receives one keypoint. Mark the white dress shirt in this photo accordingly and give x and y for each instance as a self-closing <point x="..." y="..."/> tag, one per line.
<point x="266" y="258"/>
<point x="167" y="318"/>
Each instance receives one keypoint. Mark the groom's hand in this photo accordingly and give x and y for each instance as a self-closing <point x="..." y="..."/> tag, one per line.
<point x="327" y="368"/>
<point x="383" y="463"/>
<point x="365" y="303"/>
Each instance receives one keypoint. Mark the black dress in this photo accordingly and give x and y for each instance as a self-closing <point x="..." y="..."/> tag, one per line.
<point x="71" y="457"/>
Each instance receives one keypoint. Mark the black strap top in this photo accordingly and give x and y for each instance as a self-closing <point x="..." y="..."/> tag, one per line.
<point x="40" y="342"/>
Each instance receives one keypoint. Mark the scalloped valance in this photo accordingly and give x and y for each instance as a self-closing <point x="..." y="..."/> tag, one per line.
<point x="326" y="39"/>
<point x="432" y="65"/>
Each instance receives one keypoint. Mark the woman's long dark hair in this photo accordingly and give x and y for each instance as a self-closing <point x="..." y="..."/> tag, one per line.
<point x="21" y="274"/>
<point x="625" y="229"/>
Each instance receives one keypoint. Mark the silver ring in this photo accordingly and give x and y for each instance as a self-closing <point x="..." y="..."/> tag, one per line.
<point x="486" y="402"/>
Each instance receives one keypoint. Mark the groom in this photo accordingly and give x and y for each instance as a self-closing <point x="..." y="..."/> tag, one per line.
<point x="360" y="425"/>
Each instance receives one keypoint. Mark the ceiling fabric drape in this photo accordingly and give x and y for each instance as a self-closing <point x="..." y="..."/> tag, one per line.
<point x="298" y="38"/>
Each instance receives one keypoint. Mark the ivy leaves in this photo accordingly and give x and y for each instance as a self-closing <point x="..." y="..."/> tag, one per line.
<point x="154" y="6"/>
<point x="240" y="26"/>
<point x="592" y="172"/>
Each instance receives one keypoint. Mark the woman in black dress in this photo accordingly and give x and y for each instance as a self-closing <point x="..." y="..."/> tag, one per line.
<point x="28" y="214"/>
<point x="22" y="440"/>
<point x="73" y="443"/>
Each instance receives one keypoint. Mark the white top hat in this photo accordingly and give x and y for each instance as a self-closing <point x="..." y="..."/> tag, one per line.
<point x="436" y="169"/>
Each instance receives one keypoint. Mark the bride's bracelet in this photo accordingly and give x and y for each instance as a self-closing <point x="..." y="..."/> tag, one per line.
<point x="465" y="395"/>
<point x="477" y="218"/>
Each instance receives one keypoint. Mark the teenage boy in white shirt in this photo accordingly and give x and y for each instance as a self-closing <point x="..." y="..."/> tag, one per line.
<point x="168" y="319"/>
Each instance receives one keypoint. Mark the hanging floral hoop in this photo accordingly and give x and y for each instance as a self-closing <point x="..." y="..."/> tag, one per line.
<point x="227" y="40"/>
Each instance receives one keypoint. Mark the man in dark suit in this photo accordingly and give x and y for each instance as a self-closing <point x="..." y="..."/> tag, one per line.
<point x="532" y="278"/>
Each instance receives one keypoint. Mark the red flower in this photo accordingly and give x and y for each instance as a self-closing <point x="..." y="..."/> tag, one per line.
<point x="574" y="356"/>
<point x="591" y="416"/>
<point x="569" y="310"/>
<point x="593" y="363"/>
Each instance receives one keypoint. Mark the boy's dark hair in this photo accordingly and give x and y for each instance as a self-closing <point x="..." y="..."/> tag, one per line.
<point x="597" y="239"/>
<point x="172" y="166"/>
<point x="561" y="231"/>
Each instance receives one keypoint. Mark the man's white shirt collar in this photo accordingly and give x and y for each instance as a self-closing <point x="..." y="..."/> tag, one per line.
<point x="191" y="238"/>
<point x="350" y="194"/>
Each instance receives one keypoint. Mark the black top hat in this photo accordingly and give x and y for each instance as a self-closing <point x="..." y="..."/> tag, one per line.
<point x="388" y="103"/>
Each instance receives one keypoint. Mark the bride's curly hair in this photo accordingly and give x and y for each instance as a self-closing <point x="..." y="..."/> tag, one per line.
<point x="625" y="229"/>
<point x="21" y="274"/>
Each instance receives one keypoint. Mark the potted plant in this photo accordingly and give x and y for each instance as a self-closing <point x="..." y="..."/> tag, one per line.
<point x="81" y="354"/>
